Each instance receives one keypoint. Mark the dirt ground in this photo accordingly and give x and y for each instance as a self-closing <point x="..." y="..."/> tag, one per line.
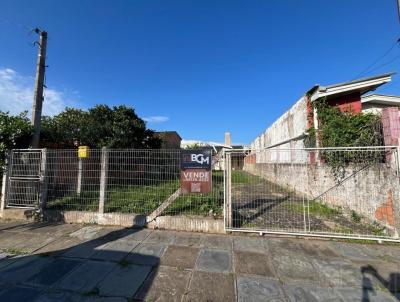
<point x="262" y="204"/>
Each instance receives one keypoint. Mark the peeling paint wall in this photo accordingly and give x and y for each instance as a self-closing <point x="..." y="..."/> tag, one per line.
<point x="292" y="124"/>
<point x="371" y="192"/>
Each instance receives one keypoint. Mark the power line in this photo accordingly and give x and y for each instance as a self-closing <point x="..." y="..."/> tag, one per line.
<point x="378" y="59"/>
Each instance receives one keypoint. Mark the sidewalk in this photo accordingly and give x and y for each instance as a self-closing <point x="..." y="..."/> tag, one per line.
<point x="65" y="262"/>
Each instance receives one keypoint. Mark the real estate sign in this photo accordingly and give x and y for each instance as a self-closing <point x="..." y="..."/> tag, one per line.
<point x="196" y="175"/>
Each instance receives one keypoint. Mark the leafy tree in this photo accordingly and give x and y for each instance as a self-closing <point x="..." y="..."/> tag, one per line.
<point x="100" y="126"/>
<point x="15" y="132"/>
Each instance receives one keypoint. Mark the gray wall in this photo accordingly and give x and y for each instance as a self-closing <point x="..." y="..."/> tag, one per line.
<point x="366" y="192"/>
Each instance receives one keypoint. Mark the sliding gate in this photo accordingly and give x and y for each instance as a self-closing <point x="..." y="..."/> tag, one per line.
<point x="332" y="192"/>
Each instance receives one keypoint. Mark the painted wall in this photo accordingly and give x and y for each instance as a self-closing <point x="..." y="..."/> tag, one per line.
<point x="291" y="125"/>
<point x="370" y="192"/>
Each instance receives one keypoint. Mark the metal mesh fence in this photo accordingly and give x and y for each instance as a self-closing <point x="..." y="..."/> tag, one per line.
<point x="73" y="183"/>
<point x="353" y="191"/>
<point x="24" y="175"/>
<point x="136" y="181"/>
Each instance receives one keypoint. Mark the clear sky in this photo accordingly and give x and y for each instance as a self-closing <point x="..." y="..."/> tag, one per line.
<point x="198" y="67"/>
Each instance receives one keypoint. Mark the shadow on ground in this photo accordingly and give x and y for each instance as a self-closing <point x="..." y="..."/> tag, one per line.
<point x="391" y="284"/>
<point x="103" y="268"/>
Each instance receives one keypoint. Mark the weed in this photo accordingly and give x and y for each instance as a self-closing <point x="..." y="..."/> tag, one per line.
<point x="93" y="292"/>
<point x="14" y="251"/>
<point x="355" y="216"/>
<point x="124" y="263"/>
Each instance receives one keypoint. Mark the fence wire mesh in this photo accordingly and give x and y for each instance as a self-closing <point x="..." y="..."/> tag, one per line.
<point x="24" y="175"/>
<point x="353" y="191"/>
<point x="136" y="181"/>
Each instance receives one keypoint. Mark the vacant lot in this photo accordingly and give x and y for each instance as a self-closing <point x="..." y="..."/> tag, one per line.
<point x="261" y="204"/>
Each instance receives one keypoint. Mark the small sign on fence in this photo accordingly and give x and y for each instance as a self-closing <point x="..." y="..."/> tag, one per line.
<point x="196" y="175"/>
<point x="83" y="151"/>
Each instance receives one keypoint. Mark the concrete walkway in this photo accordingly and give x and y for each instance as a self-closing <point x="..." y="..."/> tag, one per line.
<point x="65" y="262"/>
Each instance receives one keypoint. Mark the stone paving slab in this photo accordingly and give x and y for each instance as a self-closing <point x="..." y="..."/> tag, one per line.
<point x="146" y="254"/>
<point x="218" y="242"/>
<point x="135" y="234"/>
<point x="165" y="284"/>
<point x="364" y="295"/>
<point x="256" y="245"/>
<point x="206" y="286"/>
<point x="338" y="273"/>
<point x="161" y="237"/>
<point x="293" y="267"/>
<point x="59" y="246"/>
<point x="218" y="261"/>
<point x="92" y="232"/>
<point x="114" y="250"/>
<point x="355" y="252"/>
<point x="188" y="239"/>
<point x="43" y="229"/>
<point x="180" y="256"/>
<point x="53" y="271"/>
<point x="310" y="293"/>
<point x="259" y="289"/>
<point x="177" y="266"/>
<point x="19" y="294"/>
<point x="23" y="268"/>
<point x="83" y="250"/>
<point x="85" y="278"/>
<point x="253" y="264"/>
<point x="124" y="281"/>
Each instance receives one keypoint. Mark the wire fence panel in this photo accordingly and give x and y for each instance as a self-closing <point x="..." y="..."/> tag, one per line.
<point x="136" y="181"/>
<point x="73" y="183"/>
<point x="332" y="191"/>
<point x="23" y="178"/>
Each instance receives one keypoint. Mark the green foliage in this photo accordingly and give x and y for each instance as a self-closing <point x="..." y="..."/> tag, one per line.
<point x="196" y="146"/>
<point x="345" y="129"/>
<point x="315" y="208"/>
<point x="355" y="216"/>
<point x="15" y="132"/>
<point x="100" y="126"/>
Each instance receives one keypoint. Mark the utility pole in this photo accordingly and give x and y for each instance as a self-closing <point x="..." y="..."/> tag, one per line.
<point x="398" y="8"/>
<point x="39" y="83"/>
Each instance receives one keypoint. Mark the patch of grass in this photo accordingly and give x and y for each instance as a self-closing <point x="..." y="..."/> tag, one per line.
<point x="343" y="230"/>
<point x="144" y="199"/>
<point x="355" y="216"/>
<point x="315" y="208"/>
<point x="241" y="177"/>
<point x="14" y="251"/>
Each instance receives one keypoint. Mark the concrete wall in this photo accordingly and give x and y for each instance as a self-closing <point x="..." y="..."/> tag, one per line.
<point x="284" y="132"/>
<point x="371" y="192"/>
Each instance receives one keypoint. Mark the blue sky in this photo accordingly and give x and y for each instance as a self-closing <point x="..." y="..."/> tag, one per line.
<point x="198" y="67"/>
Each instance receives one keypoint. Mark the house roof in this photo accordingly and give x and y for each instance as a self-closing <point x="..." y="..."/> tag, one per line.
<point x="381" y="99"/>
<point x="362" y="86"/>
<point x="165" y="133"/>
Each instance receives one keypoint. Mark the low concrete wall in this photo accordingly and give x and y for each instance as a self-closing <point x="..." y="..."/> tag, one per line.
<point x="372" y="192"/>
<point x="178" y="223"/>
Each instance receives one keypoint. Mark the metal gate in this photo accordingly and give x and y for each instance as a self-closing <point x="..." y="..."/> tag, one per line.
<point x="328" y="192"/>
<point x="24" y="178"/>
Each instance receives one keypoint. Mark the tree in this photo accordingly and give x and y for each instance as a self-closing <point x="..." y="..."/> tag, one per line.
<point x="15" y="132"/>
<point x="100" y="126"/>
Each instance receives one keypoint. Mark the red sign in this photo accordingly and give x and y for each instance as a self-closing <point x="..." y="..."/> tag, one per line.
<point x="196" y="181"/>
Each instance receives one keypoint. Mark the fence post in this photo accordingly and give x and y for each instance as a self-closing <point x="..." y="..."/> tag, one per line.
<point x="79" y="184"/>
<point x="43" y="181"/>
<point x="103" y="179"/>
<point x="4" y="183"/>
<point x="396" y="194"/>
<point x="228" y="187"/>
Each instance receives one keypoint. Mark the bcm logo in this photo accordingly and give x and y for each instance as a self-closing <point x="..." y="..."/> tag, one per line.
<point x="200" y="158"/>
